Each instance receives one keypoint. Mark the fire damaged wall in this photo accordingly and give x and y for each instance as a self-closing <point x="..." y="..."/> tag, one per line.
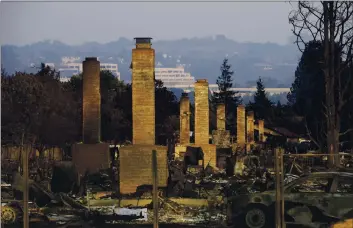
<point x="136" y="167"/>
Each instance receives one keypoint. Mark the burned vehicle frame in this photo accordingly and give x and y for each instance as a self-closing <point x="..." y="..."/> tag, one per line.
<point x="318" y="198"/>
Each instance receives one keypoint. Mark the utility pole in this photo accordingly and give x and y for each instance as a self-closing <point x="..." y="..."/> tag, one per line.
<point x="155" y="189"/>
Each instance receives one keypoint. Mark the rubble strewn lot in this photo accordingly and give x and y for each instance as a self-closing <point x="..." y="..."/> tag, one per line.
<point x="197" y="197"/>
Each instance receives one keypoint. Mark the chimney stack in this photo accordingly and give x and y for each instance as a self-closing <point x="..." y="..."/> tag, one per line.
<point x="91" y="105"/>
<point x="184" y="119"/>
<point x="201" y="112"/>
<point x="143" y="92"/>
<point x="221" y="117"/>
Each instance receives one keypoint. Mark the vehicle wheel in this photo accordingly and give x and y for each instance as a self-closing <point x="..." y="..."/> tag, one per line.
<point x="256" y="217"/>
<point x="8" y="215"/>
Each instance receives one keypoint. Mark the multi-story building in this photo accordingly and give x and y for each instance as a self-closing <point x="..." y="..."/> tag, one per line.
<point x="70" y="66"/>
<point x="240" y="91"/>
<point x="174" y="76"/>
<point x="112" y="67"/>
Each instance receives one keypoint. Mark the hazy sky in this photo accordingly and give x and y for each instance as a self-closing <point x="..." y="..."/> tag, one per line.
<point x="78" y="22"/>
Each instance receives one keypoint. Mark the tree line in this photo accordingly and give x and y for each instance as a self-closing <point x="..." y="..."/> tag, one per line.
<point x="320" y="103"/>
<point x="40" y="110"/>
<point x="327" y="66"/>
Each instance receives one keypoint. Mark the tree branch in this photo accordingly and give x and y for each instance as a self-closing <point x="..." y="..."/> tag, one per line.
<point x="309" y="134"/>
<point x="346" y="132"/>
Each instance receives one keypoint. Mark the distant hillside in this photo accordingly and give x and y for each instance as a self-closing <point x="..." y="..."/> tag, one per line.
<point x="200" y="56"/>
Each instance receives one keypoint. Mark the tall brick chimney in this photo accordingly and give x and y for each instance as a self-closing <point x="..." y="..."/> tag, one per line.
<point x="250" y="127"/>
<point x="261" y="125"/>
<point x="184" y="119"/>
<point x="91" y="105"/>
<point x="221" y="117"/>
<point x="143" y="92"/>
<point x="201" y="112"/>
<point x="241" y="125"/>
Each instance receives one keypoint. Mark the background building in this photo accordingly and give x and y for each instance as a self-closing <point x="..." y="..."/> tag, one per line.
<point x="73" y="65"/>
<point x="240" y="91"/>
<point x="172" y="77"/>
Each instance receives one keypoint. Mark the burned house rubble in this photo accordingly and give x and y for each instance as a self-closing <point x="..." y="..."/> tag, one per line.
<point x="222" y="182"/>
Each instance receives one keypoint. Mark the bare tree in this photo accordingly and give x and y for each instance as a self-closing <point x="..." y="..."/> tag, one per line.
<point x="332" y="24"/>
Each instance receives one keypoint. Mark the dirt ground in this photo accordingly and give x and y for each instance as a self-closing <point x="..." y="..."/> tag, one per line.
<point x="41" y="225"/>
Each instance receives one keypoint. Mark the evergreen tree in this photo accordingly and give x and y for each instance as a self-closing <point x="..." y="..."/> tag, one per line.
<point x="261" y="106"/>
<point x="225" y="94"/>
<point x="3" y="72"/>
<point x="307" y="95"/>
<point x="225" y="83"/>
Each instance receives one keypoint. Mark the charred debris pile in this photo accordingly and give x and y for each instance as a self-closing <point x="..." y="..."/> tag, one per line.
<point x="194" y="194"/>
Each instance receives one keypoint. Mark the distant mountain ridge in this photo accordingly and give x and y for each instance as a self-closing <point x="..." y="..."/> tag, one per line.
<point x="201" y="57"/>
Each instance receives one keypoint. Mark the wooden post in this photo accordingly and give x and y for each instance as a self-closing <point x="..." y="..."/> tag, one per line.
<point x="280" y="223"/>
<point x="282" y="188"/>
<point x="277" y="208"/>
<point x="25" y="189"/>
<point x="155" y="189"/>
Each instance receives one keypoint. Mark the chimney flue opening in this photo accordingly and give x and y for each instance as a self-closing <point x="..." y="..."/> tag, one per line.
<point x="143" y="40"/>
<point x="91" y="58"/>
<point x="184" y="94"/>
